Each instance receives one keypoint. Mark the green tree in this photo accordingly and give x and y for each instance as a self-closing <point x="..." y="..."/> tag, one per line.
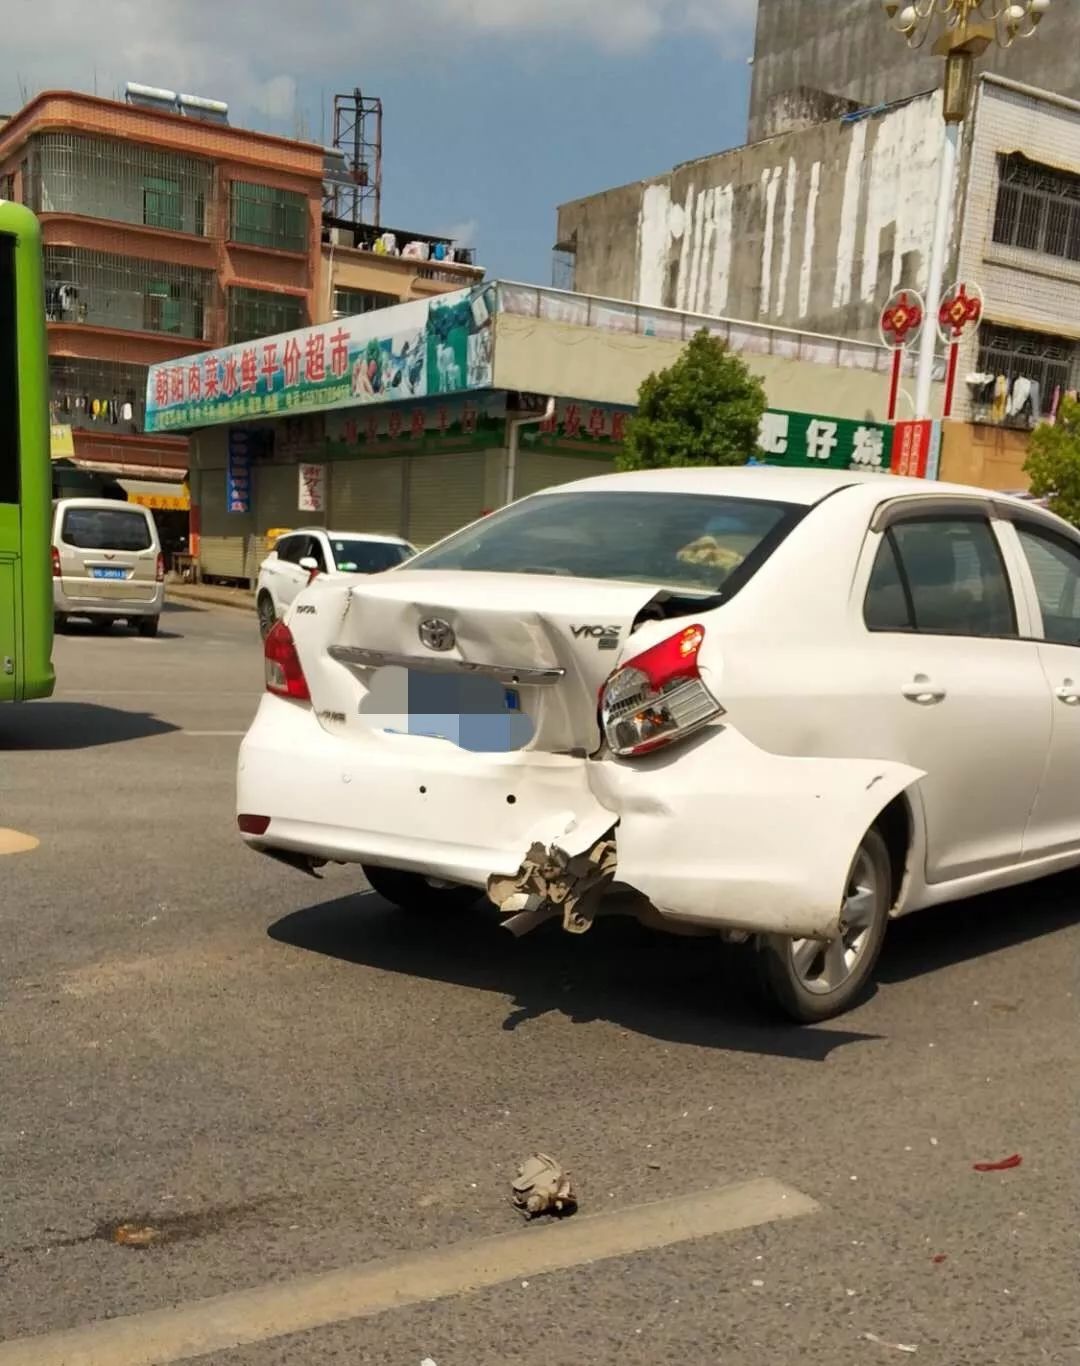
<point x="704" y="410"/>
<point x="1054" y="462"/>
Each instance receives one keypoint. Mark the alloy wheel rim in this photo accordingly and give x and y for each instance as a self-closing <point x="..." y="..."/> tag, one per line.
<point x="824" y="968"/>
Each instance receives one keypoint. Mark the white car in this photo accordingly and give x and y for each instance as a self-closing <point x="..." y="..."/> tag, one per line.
<point x="779" y="705"/>
<point x="300" y="554"/>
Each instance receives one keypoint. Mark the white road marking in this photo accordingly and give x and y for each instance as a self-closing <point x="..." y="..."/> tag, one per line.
<point x="273" y="1311"/>
<point x="15" y="842"/>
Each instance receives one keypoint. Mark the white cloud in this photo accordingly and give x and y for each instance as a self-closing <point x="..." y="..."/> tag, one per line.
<point x="257" y="57"/>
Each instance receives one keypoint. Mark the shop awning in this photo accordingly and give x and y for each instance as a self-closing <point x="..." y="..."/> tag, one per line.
<point x="162" y="496"/>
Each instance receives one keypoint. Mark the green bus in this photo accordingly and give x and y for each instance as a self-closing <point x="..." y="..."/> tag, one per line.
<point x="26" y="609"/>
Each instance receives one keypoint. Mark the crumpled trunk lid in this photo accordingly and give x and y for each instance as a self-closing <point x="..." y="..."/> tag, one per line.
<point x="536" y="647"/>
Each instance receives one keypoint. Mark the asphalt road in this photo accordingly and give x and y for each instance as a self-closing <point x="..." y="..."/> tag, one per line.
<point x="288" y="1077"/>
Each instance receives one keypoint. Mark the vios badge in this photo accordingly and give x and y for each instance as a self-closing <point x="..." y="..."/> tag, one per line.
<point x="437" y="634"/>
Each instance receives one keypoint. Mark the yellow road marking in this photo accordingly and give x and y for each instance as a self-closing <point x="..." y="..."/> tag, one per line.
<point x="15" y="842"/>
<point x="273" y="1311"/>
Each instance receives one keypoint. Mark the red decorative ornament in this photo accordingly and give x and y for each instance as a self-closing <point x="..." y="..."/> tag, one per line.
<point x="901" y="317"/>
<point x="961" y="308"/>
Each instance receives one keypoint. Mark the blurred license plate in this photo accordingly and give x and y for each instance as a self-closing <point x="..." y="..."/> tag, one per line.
<point x="474" y="713"/>
<point x="108" y="573"/>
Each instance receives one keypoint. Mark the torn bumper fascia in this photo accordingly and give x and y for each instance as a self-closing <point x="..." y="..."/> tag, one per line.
<point x="721" y="834"/>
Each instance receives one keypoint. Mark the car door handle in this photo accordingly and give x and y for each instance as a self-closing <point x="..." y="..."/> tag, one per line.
<point x="1068" y="693"/>
<point x="923" y="691"/>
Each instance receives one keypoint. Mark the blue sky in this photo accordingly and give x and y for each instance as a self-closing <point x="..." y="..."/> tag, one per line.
<point x="496" y="110"/>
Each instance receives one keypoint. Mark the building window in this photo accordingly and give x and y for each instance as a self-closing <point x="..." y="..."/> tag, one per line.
<point x="124" y="182"/>
<point x="349" y="302"/>
<point x="1021" y="374"/>
<point x="1038" y="208"/>
<point x="263" y="216"/>
<point x="162" y="204"/>
<point x="7" y="186"/>
<point x="260" y="313"/>
<point x="97" y="394"/>
<point x="104" y="290"/>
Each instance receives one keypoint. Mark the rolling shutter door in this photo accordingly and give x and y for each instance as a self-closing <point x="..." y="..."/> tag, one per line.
<point x="277" y="504"/>
<point x="544" y="469"/>
<point x="365" y="495"/>
<point x="445" y="492"/>
<point x="223" y="535"/>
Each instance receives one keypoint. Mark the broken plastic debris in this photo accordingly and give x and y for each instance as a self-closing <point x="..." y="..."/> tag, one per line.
<point x="427" y="1361"/>
<point x="135" y="1235"/>
<point x="940" y="1257"/>
<point x="1007" y="1165"/>
<point x="542" y="1187"/>
<point x="895" y="1346"/>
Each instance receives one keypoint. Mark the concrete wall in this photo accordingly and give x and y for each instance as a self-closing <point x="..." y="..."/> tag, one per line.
<point x="810" y="230"/>
<point x="846" y="48"/>
<point x="541" y="356"/>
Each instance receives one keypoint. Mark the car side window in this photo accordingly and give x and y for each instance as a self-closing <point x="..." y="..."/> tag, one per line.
<point x="289" y="549"/>
<point x="315" y="550"/>
<point x="1055" y="566"/>
<point x="942" y="576"/>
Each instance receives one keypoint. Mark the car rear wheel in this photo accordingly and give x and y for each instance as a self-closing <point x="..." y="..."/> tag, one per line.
<point x="101" y="624"/>
<point x="267" y="614"/>
<point x="59" y="621"/>
<point x="412" y="892"/>
<point x="147" y="626"/>
<point x="811" y="981"/>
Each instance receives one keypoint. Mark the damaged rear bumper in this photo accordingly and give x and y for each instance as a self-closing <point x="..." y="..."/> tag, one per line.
<point x="717" y="835"/>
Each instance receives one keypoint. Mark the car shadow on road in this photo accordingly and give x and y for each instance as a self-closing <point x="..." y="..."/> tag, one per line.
<point x="45" y="726"/>
<point x="945" y="936"/>
<point x="685" y="991"/>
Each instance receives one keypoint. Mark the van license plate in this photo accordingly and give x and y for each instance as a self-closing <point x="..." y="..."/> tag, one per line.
<point x="108" y="573"/>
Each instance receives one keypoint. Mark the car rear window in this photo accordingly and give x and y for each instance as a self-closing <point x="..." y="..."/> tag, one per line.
<point x="687" y="541"/>
<point x="367" y="557"/>
<point x="105" y="529"/>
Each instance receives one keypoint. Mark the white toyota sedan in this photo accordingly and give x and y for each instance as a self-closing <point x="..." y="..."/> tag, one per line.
<point x="780" y="706"/>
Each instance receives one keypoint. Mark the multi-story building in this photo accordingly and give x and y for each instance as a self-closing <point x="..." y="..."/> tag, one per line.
<point x="167" y="231"/>
<point x="816" y="58"/>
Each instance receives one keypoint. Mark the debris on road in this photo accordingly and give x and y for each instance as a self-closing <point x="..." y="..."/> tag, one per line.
<point x="542" y="1187"/>
<point x="1007" y="1165"/>
<point x="940" y="1257"/>
<point x="894" y="1346"/>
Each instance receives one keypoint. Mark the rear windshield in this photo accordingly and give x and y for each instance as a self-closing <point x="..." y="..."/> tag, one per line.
<point x="686" y="541"/>
<point x="367" y="557"/>
<point x="105" y="529"/>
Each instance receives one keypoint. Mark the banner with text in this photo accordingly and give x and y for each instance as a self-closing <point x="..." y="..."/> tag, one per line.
<point x="422" y="349"/>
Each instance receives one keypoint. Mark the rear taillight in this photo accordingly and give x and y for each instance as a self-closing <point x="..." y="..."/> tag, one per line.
<point x="253" y="825"/>
<point x="284" y="674"/>
<point x="161" y="569"/>
<point x="657" y="697"/>
<point x="55" y="563"/>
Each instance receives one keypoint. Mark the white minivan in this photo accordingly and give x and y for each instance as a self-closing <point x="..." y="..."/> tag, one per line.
<point x="107" y="564"/>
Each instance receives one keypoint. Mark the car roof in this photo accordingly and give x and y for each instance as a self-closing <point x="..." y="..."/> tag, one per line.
<point x="344" y="535"/>
<point x="803" y="487"/>
<point x="100" y="503"/>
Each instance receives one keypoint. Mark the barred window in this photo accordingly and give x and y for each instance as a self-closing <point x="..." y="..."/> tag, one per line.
<point x="263" y="216"/>
<point x="1009" y="351"/>
<point x="1038" y="208"/>
<point x="261" y="313"/>
<point x="107" y="290"/>
<point x="349" y="302"/>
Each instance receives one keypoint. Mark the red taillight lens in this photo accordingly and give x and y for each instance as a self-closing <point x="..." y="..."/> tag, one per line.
<point x="657" y="697"/>
<point x="161" y="569"/>
<point x="253" y="825"/>
<point x="284" y="674"/>
<point x="55" y="563"/>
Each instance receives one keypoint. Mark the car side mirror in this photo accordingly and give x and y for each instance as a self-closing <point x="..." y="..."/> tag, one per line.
<point x="311" y="565"/>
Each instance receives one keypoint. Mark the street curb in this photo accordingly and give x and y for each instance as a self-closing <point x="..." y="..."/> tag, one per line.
<point x="209" y="598"/>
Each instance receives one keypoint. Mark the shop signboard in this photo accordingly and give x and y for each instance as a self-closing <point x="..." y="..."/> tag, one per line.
<point x="917" y="449"/>
<point x="238" y="473"/>
<point x="311" y="495"/>
<point x="423" y="349"/>
<point x="812" y="441"/>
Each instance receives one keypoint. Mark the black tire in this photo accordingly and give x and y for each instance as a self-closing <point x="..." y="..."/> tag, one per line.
<point x="101" y="625"/>
<point x="411" y="892"/>
<point x="786" y="967"/>
<point x="267" y="615"/>
<point x="59" y="622"/>
<point x="147" y="626"/>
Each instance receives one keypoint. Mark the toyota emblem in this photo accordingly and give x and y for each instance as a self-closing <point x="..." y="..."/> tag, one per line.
<point x="437" y="634"/>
